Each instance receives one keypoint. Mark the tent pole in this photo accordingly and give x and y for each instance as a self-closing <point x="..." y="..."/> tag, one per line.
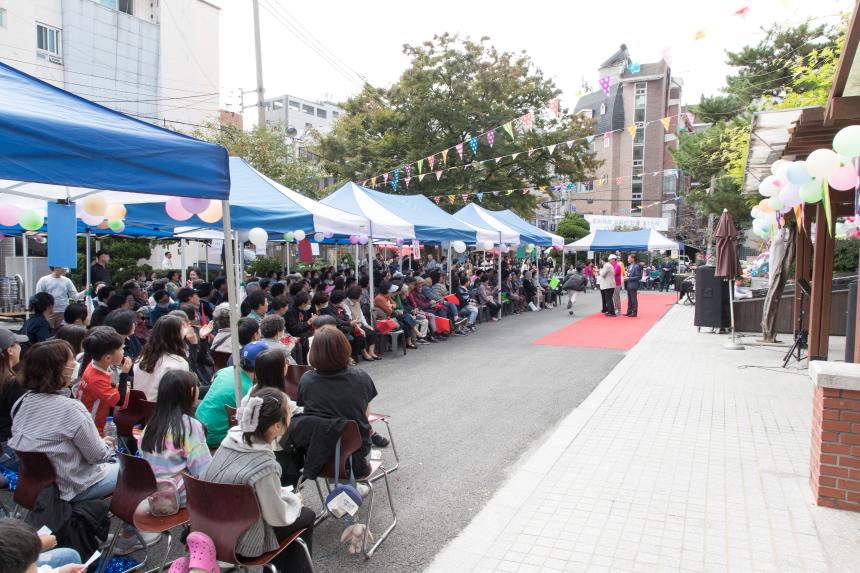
<point x="183" y="244"/>
<point x="206" y="268"/>
<point x="449" y="266"/>
<point x="355" y="258"/>
<point x="25" y="252"/>
<point x="87" y="262"/>
<point x="287" y="245"/>
<point x="233" y="301"/>
<point x="370" y="272"/>
<point x="499" y="278"/>
<point x="237" y="262"/>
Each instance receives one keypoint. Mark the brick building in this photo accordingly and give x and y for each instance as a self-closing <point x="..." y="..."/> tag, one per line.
<point x="638" y="176"/>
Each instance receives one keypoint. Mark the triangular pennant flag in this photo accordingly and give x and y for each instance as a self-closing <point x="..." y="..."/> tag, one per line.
<point x="550" y="148"/>
<point x="700" y="34"/>
<point x="509" y="128"/>
<point x="473" y="143"/>
<point x="385" y="177"/>
<point x="798" y="216"/>
<point x="459" y="148"/>
<point x="666" y="121"/>
<point x="373" y="181"/>
<point x="531" y="151"/>
<point x="365" y="182"/>
<point x="589" y="138"/>
<point x="509" y="191"/>
<point x="467" y="165"/>
<point x="526" y="191"/>
<point x="491" y="137"/>
<point x="451" y="199"/>
<point x="420" y="166"/>
<point x="514" y="156"/>
<point x="465" y="197"/>
<point x="499" y="158"/>
<point x="618" y="180"/>
<point x="607" y="135"/>
<point x="445" y="156"/>
<point x="438" y="175"/>
<point x="569" y="143"/>
<point x="542" y="188"/>
<point x="495" y="193"/>
<point x="394" y="184"/>
<point x="742" y="12"/>
<point x="436" y="199"/>
<point x="421" y="176"/>
<point x="431" y="161"/>
<point x="604" y="83"/>
<point x="480" y="197"/>
<point x="409" y="170"/>
<point x="600" y="182"/>
<point x="634" y="67"/>
<point x="555" y="107"/>
<point x="631" y="129"/>
<point x="408" y="179"/>
<point x="570" y="186"/>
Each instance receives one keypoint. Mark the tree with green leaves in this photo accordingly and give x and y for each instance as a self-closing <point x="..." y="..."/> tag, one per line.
<point x="453" y="90"/>
<point x="268" y="150"/>
<point x="572" y="227"/>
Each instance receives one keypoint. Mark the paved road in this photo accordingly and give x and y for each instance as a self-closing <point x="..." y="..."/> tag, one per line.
<point x="463" y="412"/>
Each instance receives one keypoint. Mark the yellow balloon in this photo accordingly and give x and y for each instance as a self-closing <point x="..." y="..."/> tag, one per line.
<point x="95" y="206"/>
<point x="115" y="212"/>
<point x="213" y="212"/>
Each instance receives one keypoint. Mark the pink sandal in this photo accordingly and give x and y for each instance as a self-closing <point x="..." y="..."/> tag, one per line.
<point x="201" y="553"/>
<point x="179" y="566"/>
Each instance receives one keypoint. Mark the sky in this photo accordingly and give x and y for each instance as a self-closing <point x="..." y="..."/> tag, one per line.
<point x="566" y="40"/>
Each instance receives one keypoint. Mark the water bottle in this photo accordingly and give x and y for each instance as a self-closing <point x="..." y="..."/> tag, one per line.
<point x="110" y="431"/>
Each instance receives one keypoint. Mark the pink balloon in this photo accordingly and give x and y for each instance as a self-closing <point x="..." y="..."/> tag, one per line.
<point x="193" y="205"/>
<point x="175" y="210"/>
<point x="9" y="215"/>
<point x="353" y="239"/>
<point x="778" y="183"/>
<point x="844" y="178"/>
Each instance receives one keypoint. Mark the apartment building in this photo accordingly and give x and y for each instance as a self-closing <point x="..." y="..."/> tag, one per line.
<point x="154" y="59"/>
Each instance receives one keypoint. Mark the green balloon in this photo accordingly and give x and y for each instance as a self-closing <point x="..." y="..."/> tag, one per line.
<point x="775" y="204"/>
<point x="30" y="220"/>
<point x="116" y="225"/>
<point x="288" y="236"/>
<point x="847" y="141"/>
<point x="811" y="192"/>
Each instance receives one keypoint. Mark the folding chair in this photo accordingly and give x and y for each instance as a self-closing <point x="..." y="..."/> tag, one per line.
<point x="224" y="512"/>
<point x="385" y="419"/>
<point x="294" y="375"/>
<point x="135" y="483"/>
<point x="35" y="473"/>
<point x="351" y="443"/>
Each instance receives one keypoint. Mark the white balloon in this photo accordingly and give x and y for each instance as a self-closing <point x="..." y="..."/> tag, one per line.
<point x="768" y="186"/>
<point x="821" y="163"/>
<point x="258" y="236"/>
<point x="775" y="167"/>
<point x="458" y="246"/>
<point x="299" y="235"/>
<point x="90" y="220"/>
<point x="755" y="212"/>
<point x="487" y="245"/>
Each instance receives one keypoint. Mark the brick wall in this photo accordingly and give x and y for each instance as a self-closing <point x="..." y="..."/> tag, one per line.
<point x="835" y="460"/>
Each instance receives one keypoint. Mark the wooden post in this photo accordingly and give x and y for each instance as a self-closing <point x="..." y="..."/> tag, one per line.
<point x="802" y="264"/>
<point x="822" y="287"/>
<point x="857" y="325"/>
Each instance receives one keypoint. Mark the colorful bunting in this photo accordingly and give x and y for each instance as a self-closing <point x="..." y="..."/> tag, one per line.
<point x="542" y="188"/>
<point x="408" y="179"/>
<point x="531" y="151"/>
<point x="438" y="175"/>
<point x="634" y="67"/>
<point x="526" y="191"/>
<point x="396" y="179"/>
<point x="465" y="197"/>
<point x="408" y="170"/>
<point x="666" y="54"/>
<point x="570" y="186"/>
<point x="550" y="148"/>
<point x="555" y="107"/>
<point x="473" y="143"/>
<point x="527" y="121"/>
<point x="451" y="199"/>
<point x="618" y="180"/>
<point x="459" y="148"/>
<point x="373" y="181"/>
<point x="666" y="121"/>
<point x="631" y="129"/>
<point x="445" y="156"/>
<point x="514" y="156"/>
<point x="421" y="176"/>
<point x="480" y="197"/>
<point x="385" y="178"/>
<point x="499" y="159"/>
<point x="509" y="191"/>
<point x="496" y="193"/>
<point x="420" y="166"/>
<point x="431" y="161"/>
<point x="509" y="128"/>
<point x="437" y="198"/>
<point x="742" y="12"/>
<point x="827" y="211"/>
<point x="604" y="83"/>
<point x="569" y="143"/>
<point x="491" y="137"/>
<point x="589" y="138"/>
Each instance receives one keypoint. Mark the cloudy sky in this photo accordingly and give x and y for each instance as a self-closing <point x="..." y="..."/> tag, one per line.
<point x="318" y="50"/>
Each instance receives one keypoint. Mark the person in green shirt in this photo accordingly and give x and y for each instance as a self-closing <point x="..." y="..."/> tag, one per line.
<point x="222" y="393"/>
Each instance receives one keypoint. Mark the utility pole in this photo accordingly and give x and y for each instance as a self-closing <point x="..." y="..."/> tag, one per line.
<point x="261" y="111"/>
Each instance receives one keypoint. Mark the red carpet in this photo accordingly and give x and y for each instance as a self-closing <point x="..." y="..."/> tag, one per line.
<point x="598" y="331"/>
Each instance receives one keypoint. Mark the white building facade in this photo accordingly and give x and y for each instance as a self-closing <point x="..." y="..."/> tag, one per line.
<point x="154" y="59"/>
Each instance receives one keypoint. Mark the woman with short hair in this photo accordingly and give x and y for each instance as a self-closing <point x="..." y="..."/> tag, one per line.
<point x="37" y="328"/>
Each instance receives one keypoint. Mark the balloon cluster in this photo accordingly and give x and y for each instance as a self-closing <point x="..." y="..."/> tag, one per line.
<point x="94" y="211"/>
<point x="183" y="208"/>
<point x="792" y="183"/>
<point x="358" y="239"/>
<point x="11" y="215"/>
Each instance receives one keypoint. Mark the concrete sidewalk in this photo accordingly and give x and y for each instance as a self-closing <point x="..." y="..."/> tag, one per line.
<point x="687" y="457"/>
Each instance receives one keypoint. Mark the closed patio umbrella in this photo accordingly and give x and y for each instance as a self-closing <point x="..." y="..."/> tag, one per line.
<point x="728" y="266"/>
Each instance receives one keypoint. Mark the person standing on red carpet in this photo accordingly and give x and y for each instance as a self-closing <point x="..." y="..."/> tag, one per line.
<point x="606" y="282"/>
<point x="634" y="273"/>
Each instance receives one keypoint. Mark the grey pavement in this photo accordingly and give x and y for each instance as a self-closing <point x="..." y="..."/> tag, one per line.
<point x="463" y="411"/>
<point x="687" y="457"/>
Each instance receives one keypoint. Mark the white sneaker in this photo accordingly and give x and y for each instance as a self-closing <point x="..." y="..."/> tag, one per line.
<point x="363" y="489"/>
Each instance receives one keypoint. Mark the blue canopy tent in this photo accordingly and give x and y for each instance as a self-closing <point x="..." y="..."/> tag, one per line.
<point x="71" y="147"/>
<point x="526" y="229"/>
<point x="641" y="240"/>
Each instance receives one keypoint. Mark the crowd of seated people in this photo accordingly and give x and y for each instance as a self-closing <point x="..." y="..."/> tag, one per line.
<point x="65" y="374"/>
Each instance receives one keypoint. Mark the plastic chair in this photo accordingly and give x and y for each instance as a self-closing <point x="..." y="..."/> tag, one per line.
<point x="393" y="337"/>
<point x="294" y="375"/>
<point x="35" y="473"/>
<point x="135" y="483"/>
<point x="351" y="443"/>
<point x="231" y="416"/>
<point x="224" y="512"/>
<point x="138" y="412"/>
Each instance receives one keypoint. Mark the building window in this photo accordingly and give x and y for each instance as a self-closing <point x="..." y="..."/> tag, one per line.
<point x="126" y="6"/>
<point x="2" y="17"/>
<point x="639" y="114"/>
<point x="669" y="184"/>
<point x="308" y="109"/>
<point x="294" y="106"/>
<point x="48" y="40"/>
<point x="321" y="113"/>
<point x="640" y="134"/>
<point x="603" y="109"/>
<point x="605" y="143"/>
<point x="639" y="93"/>
<point x="335" y="115"/>
<point x="277" y="104"/>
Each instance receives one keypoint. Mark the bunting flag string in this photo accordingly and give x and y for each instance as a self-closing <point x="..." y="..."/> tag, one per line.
<point x="604" y="83"/>
<point x="631" y="129"/>
<point x="459" y="148"/>
<point x="555" y="107"/>
<point x="473" y="143"/>
<point x="509" y="129"/>
<point x="666" y="121"/>
<point x="445" y="156"/>
<point x="491" y="137"/>
<point x="431" y="161"/>
<point x="420" y="166"/>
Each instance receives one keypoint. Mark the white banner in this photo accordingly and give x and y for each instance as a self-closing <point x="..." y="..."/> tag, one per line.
<point x="611" y="222"/>
<point x="315" y="249"/>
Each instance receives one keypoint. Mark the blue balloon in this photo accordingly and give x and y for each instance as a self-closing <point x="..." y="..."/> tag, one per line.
<point x="797" y="174"/>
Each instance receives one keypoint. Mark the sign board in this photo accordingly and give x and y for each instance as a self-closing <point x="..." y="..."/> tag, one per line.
<point x="610" y="222"/>
<point x="315" y="249"/>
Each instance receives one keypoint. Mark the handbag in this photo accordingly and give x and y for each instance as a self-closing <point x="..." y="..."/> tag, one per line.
<point x="344" y="500"/>
<point x="385" y="326"/>
<point x="165" y="500"/>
